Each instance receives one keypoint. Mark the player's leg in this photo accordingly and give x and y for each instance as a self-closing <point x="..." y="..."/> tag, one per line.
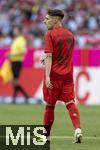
<point x="48" y="118"/>
<point x="73" y="113"/>
<point x="16" y="69"/>
<point x="75" y="117"/>
<point x="50" y="97"/>
<point x="48" y="121"/>
<point x="68" y="98"/>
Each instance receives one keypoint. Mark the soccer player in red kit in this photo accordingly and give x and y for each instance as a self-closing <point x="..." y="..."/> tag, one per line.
<point x="58" y="80"/>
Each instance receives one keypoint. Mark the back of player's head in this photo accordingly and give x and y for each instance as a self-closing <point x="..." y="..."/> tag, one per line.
<point x="17" y="30"/>
<point x="55" y="12"/>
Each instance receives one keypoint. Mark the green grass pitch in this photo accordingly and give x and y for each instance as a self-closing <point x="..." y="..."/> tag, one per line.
<point x="62" y="130"/>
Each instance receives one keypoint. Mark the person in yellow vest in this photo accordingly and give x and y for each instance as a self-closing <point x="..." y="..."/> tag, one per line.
<point x="16" y="56"/>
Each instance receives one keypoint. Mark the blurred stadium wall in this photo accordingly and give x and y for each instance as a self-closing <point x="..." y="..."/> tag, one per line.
<point x="86" y="76"/>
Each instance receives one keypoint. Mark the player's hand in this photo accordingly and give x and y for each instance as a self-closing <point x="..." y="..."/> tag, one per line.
<point x="43" y="61"/>
<point x="48" y="83"/>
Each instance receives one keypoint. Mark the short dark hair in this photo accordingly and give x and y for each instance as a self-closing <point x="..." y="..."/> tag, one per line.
<point x="18" y="27"/>
<point x="55" y="12"/>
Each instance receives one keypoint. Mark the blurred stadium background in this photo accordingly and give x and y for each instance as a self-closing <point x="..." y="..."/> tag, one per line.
<point x="82" y="17"/>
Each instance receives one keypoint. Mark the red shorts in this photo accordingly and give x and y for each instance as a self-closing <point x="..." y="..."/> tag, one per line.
<point x="62" y="91"/>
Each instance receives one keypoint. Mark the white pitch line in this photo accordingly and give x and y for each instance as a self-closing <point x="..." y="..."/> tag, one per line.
<point x="67" y="137"/>
<point x="71" y="137"/>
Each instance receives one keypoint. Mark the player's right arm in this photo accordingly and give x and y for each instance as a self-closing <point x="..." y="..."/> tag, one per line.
<point x="48" y="59"/>
<point x="48" y="64"/>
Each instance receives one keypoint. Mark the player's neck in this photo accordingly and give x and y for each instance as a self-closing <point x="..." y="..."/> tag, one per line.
<point x="58" y="25"/>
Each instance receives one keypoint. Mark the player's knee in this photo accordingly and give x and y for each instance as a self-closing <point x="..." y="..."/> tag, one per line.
<point x="72" y="107"/>
<point x="70" y="102"/>
<point x="48" y="105"/>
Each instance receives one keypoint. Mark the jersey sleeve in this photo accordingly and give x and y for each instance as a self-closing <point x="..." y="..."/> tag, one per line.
<point x="48" y="43"/>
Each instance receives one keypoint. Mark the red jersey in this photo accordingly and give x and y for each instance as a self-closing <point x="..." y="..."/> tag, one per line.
<point x="60" y="42"/>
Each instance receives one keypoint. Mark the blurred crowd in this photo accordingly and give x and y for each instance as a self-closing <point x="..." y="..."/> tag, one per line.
<point x="81" y="17"/>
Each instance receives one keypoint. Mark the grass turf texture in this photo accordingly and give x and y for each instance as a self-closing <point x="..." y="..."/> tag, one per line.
<point x="62" y="130"/>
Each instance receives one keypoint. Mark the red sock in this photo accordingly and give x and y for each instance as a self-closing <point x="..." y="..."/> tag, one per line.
<point x="74" y="115"/>
<point x="48" y="118"/>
